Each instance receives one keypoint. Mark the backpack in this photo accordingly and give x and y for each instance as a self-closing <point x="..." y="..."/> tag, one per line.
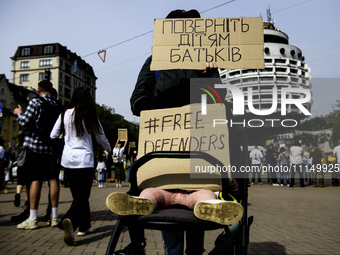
<point x="48" y="116"/>
<point x="115" y="157"/>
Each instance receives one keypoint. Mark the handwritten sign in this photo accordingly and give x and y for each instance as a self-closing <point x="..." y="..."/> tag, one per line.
<point x="189" y="43"/>
<point x="122" y="134"/>
<point x="183" y="129"/>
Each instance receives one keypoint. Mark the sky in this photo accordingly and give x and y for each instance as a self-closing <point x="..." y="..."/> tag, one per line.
<point x="124" y="28"/>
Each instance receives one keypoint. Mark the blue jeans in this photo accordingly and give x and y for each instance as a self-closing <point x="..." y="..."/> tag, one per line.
<point x="256" y="169"/>
<point x="284" y="172"/>
<point x="173" y="242"/>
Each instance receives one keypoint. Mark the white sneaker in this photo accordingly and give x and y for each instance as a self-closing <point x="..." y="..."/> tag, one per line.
<point x="79" y="233"/>
<point x="252" y="183"/>
<point x="68" y="232"/>
<point x="276" y="184"/>
<point x="53" y="222"/>
<point x="120" y="185"/>
<point x="27" y="224"/>
<point x="124" y="204"/>
<point x="222" y="212"/>
<point x="261" y="183"/>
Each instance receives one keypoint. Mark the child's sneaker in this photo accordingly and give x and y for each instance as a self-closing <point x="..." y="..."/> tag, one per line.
<point x="124" y="204"/>
<point x="222" y="212"/>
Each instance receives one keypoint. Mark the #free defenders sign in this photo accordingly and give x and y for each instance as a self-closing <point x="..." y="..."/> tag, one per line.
<point x="183" y="129"/>
<point x="231" y="43"/>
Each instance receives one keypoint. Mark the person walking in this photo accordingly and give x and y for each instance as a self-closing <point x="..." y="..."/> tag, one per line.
<point x="272" y="162"/>
<point x="317" y="155"/>
<point x="80" y="126"/>
<point x="296" y="153"/>
<point x="38" y="120"/>
<point x="284" y="160"/>
<point x="256" y="157"/>
<point x="101" y="168"/>
<point x="118" y="159"/>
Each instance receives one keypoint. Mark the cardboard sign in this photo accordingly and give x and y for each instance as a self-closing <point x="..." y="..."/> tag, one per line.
<point x="183" y="129"/>
<point x="122" y="134"/>
<point x="231" y="43"/>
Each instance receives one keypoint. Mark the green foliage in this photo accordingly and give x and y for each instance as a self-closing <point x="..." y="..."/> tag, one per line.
<point x="336" y="130"/>
<point x="111" y="122"/>
<point x="316" y="123"/>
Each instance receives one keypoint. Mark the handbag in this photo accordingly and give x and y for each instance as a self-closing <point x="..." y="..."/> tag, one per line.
<point x="58" y="147"/>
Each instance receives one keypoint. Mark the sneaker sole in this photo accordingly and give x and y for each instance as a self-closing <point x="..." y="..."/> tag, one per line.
<point x="124" y="204"/>
<point x="225" y="213"/>
<point x="68" y="232"/>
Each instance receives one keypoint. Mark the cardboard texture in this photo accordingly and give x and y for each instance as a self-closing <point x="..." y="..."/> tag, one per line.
<point x="182" y="129"/>
<point x="232" y="43"/>
<point x="122" y="134"/>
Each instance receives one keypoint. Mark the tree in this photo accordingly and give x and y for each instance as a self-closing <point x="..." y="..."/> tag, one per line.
<point x="336" y="130"/>
<point x="111" y="122"/>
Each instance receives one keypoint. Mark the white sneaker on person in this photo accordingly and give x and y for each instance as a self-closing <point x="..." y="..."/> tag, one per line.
<point x="276" y="184"/>
<point x="124" y="204"/>
<point x="68" y="232"/>
<point x="219" y="211"/>
<point x="53" y="222"/>
<point x="80" y="233"/>
<point x="27" y="224"/>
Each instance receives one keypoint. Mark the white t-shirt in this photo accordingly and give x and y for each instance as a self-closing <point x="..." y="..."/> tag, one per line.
<point x="296" y="155"/>
<point x="336" y="152"/>
<point x="256" y="156"/>
<point x="119" y="152"/>
<point x="78" y="151"/>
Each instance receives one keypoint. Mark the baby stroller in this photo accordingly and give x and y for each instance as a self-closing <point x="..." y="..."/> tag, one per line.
<point x="178" y="218"/>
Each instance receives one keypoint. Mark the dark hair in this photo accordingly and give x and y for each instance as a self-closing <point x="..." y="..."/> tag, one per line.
<point x="85" y="112"/>
<point x="46" y="85"/>
<point x="177" y="14"/>
<point x="282" y="149"/>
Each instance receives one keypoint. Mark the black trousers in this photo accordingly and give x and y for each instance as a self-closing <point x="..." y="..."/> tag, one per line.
<point x="296" y="168"/>
<point x="80" y="181"/>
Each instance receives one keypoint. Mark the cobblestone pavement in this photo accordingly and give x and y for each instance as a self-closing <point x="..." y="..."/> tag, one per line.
<point x="286" y="221"/>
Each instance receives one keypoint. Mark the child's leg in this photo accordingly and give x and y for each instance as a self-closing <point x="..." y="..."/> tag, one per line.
<point x="160" y="198"/>
<point x="200" y="195"/>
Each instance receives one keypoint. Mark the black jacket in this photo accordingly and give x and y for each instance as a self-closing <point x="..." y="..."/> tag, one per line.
<point x="151" y="84"/>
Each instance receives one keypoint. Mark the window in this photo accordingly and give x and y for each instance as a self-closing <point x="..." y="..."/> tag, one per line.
<point x="42" y="76"/>
<point x="48" y="49"/>
<point x="25" y="51"/>
<point x="24" y="77"/>
<point x="24" y="64"/>
<point x="45" y="62"/>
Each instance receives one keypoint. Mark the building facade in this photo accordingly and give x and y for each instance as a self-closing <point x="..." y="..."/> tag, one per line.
<point x="66" y="70"/>
<point x="285" y="68"/>
<point x="10" y="97"/>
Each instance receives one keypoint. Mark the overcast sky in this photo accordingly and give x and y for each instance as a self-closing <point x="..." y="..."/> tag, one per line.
<point x="86" y="27"/>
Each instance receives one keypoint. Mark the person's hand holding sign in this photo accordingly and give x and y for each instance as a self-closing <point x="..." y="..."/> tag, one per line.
<point x="210" y="68"/>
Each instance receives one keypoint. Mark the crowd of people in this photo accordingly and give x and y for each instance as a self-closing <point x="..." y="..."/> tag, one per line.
<point x="307" y="160"/>
<point x="70" y="145"/>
